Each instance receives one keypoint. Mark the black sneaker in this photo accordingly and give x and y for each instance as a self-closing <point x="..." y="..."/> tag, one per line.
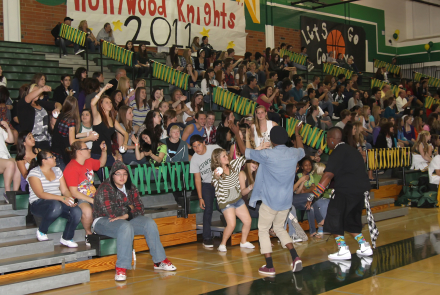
<point x="87" y="240"/>
<point x="208" y="243"/>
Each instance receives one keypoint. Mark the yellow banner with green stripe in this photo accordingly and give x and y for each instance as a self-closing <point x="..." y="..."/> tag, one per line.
<point x="74" y="35"/>
<point x="117" y="53"/>
<point x="311" y="136"/>
<point x="336" y="71"/>
<point x="393" y="69"/>
<point x="388" y="158"/>
<point x="432" y="81"/>
<point x="170" y="75"/>
<point x="294" y="57"/>
<point x="236" y="103"/>
<point x="429" y="101"/>
<point x="378" y="83"/>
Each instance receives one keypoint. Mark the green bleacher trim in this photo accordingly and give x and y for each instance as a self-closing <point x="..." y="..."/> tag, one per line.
<point x="170" y="75"/>
<point x="336" y="71"/>
<point x="432" y="81"/>
<point x="108" y="247"/>
<point x="168" y="178"/>
<point x="2" y="181"/>
<point x="393" y="69"/>
<point x="21" y="201"/>
<point x="117" y="53"/>
<point x="294" y="57"/>
<point x="239" y="225"/>
<point x="59" y="225"/>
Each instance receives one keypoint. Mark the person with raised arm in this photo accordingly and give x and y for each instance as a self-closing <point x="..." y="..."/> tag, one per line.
<point x="105" y="123"/>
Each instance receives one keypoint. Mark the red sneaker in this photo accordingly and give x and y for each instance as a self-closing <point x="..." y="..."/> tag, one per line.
<point x="267" y="271"/>
<point x="296" y="265"/>
<point x="165" y="265"/>
<point x="120" y="274"/>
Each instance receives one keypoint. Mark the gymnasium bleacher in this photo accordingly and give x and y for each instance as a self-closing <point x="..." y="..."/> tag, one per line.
<point x="28" y="263"/>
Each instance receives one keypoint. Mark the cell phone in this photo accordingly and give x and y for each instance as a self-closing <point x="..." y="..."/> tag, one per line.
<point x="76" y="201"/>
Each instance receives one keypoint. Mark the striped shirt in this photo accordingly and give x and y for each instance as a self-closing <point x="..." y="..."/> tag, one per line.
<point x="139" y="114"/>
<point x="227" y="189"/>
<point x="50" y="187"/>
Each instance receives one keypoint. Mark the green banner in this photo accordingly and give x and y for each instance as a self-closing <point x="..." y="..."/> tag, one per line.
<point x="336" y="71"/>
<point x="432" y="81"/>
<point x="381" y="84"/>
<point x="117" y="53"/>
<point x="238" y="104"/>
<point x="170" y="75"/>
<point x="393" y="69"/>
<point x="294" y="57"/>
<point x="74" y="35"/>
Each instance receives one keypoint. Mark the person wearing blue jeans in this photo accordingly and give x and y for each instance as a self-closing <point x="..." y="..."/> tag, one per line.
<point x="118" y="213"/>
<point x="51" y="199"/>
<point x="299" y="202"/>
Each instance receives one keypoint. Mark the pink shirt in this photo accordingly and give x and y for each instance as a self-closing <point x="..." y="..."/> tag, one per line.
<point x="426" y="127"/>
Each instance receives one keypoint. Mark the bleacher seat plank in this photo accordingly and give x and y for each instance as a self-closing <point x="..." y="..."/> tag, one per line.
<point x="139" y="243"/>
<point x="387" y="191"/>
<point x="173" y="224"/>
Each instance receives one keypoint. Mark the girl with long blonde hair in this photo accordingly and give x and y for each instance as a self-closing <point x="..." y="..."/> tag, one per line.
<point x="261" y="127"/>
<point x="124" y="87"/>
<point x="418" y="125"/>
<point x="376" y="115"/>
<point x="422" y="151"/>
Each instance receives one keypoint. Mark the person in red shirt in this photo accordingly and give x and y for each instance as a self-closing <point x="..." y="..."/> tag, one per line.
<point x="79" y="177"/>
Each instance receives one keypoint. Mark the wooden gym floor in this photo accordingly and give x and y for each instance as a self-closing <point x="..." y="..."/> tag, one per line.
<point x="405" y="262"/>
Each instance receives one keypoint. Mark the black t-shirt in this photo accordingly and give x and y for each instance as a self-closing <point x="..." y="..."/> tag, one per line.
<point x="286" y="95"/>
<point x="172" y="147"/>
<point x="348" y="167"/>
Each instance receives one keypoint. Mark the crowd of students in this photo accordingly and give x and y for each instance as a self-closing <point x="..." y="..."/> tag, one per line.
<point x="87" y="125"/>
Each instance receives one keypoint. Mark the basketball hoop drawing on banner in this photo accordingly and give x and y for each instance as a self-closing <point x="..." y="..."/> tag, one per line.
<point x="336" y="43"/>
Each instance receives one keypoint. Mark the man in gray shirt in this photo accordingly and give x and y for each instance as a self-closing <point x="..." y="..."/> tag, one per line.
<point x="273" y="187"/>
<point x="106" y="34"/>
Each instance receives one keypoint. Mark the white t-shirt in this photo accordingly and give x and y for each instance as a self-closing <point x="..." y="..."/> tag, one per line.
<point x="4" y="153"/>
<point x="400" y="102"/>
<point x="50" y="187"/>
<point x="434" y="165"/>
<point x="202" y="163"/>
<point x="185" y="115"/>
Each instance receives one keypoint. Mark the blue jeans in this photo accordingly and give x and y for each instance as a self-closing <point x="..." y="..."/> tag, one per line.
<point x="326" y="105"/>
<point x="208" y="195"/>
<point x="234" y="205"/>
<point x="63" y="43"/>
<point x="299" y="202"/>
<point x="50" y="210"/>
<point x="123" y="231"/>
<point x="322" y="204"/>
<point x="91" y="45"/>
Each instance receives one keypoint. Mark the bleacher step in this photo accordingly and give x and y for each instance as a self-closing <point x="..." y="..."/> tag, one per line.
<point x="8" y="221"/>
<point x="22" y="212"/>
<point x="161" y="211"/>
<point x="61" y="254"/>
<point x="45" y="281"/>
<point x="389" y="213"/>
<point x="5" y="206"/>
<point x="30" y="233"/>
<point x="25" y="247"/>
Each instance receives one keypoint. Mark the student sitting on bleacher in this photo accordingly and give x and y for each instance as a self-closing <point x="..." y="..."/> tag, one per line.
<point x="118" y="213"/>
<point x="422" y="152"/>
<point x="8" y="166"/>
<point x="50" y="198"/>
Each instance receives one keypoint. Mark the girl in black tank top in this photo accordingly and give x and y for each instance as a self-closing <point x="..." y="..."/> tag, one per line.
<point x="105" y="124"/>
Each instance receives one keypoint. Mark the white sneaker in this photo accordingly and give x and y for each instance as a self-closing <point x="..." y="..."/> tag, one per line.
<point x="41" y="237"/>
<point x="165" y="265"/>
<point x="342" y="254"/>
<point x="343" y="265"/>
<point x="70" y="244"/>
<point x="365" y="261"/>
<point x="222" y="248"/>
<point x="79" y="51"/>
<point x="246" y="245"/>
<point x="311" y="67"/>
<point x="296" y="239"/>
<point x="365" y="249"/>
<point x="335" y="118"/>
